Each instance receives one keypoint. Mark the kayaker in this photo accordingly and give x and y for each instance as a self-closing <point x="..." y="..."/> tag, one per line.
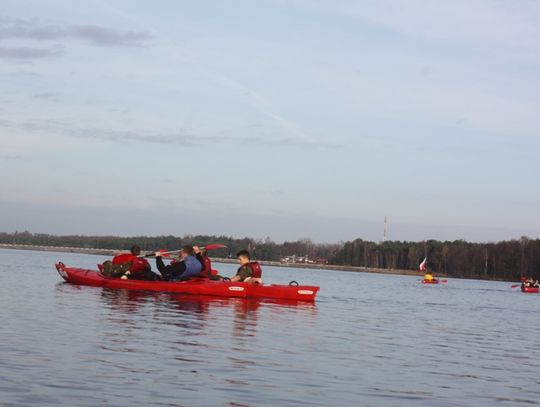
<point x="249" y="271"/>
<point x="189" y="266"/>
<point x="207" y="271"/>
<point x="530" y="282"/>
<point x="130" y="266"/>
<point x="428" y="276"/>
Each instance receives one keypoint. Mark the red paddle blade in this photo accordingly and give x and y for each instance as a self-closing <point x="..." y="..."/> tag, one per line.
<point x="164" y="253"/>
<point x="515" y="285"/>
<point x="215" y="246"/>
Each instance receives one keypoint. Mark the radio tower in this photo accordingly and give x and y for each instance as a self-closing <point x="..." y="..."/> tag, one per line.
<point x="385" y="235"/>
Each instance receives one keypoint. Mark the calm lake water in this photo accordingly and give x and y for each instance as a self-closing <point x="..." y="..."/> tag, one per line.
<point x="369" y="340"/>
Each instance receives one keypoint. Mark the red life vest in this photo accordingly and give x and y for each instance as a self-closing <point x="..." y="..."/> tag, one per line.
<point x="123" y="258"/>
<point x="207" y="269"/>
<point x="138" y="264"/>
<point x="256" y="271"/>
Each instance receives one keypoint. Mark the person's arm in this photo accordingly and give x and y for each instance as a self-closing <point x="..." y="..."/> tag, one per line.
<point x="242" y="273"/>
<point x="170" y="270"/>
<point x="201" y="259"/>
<point x="199" y="255"/>
<point x="160" y="265"/>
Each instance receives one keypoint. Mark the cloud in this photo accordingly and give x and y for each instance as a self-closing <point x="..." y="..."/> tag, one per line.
<point x="187" y="139"/>
<point x="183" y="137"/>
<point x="8" y="156"/>
<point x="96" y="35"/>
<point x="28" y="53"/>
<point x="46" y="96"/>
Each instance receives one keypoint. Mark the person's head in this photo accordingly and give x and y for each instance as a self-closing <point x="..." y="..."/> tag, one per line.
<point x="186" y="251"/>
<point x="135" y="250"/>
<point x="243" y="257"/>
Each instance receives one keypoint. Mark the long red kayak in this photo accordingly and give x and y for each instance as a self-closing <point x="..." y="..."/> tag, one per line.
<point x="530" y="289"/>
<point x="94" y="278"/>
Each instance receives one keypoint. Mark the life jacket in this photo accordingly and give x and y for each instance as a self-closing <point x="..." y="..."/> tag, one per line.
<point x="139" y="264"/>
<point x="193" y="267"/>
<point x="123" y="258"/>
<point x="207" y="269"/>
<point x="256" y="271"/>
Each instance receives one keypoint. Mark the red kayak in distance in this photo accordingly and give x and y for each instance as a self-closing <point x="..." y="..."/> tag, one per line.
<point x="201" y="286"/>
<point x="529" y="289"/>
<point x="434" y="281"/>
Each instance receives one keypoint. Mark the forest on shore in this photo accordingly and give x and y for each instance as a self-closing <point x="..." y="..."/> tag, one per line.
<point x="504" y="260"/>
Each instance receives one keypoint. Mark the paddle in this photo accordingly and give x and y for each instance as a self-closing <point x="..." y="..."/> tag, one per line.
<point x="214" y="246"/>
<point x="515" y="285"/>
<point x="165" y="253"/>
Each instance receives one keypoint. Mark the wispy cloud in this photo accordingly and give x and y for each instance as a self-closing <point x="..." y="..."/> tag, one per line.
<point x="29" y="53"/>
<point x="186" y="138"/>
<point x="8" y="156"/>
<point x="45" y="96"/>
<point x="295" y="134"/>
<point x="11" y="28"/>
<point x="183" y="137"/>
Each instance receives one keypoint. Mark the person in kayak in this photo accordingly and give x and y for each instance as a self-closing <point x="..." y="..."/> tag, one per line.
<point x="129" y="266"/>
<point x="189" y="266"/>
<point x="428" y="276"/>
<point x="207" y="271"/>
<point x="249" y="271"/>
<point x="530" y="282"/>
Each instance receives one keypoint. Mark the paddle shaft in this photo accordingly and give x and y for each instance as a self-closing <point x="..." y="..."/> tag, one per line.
<point x="208" y="247"/>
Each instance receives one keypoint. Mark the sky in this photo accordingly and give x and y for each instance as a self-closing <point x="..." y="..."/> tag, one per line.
<point x="282" y="119"/>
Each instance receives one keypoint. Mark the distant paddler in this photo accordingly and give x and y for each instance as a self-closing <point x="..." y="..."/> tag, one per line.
<point x="428" y="275"/>
<point x="529" y="282"/>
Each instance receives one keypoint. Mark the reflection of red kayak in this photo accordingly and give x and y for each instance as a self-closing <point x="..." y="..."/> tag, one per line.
<point x="434" y="281"/>
<point x="529" y="289"/>
<point x="199" y="287"/>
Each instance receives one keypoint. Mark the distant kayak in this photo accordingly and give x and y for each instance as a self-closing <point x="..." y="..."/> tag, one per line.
<point x="197" y="286"/>
<point x="434" y="281"/>
<point x="529" y="289"/>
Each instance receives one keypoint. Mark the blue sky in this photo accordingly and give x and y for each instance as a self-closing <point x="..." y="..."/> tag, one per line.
<point x="284" y="119"/>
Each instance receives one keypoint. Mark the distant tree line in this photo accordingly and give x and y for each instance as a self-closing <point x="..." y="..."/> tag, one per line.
<point x="505" y="260"/>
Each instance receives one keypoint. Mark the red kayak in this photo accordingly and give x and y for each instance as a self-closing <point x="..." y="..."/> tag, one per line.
<point x="529" y="289"/>
<point x="198" y="287"/>
<point x="434" y="281"/>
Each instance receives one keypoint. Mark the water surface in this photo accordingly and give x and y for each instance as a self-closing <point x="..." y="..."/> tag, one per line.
<point x="369" y="340"/>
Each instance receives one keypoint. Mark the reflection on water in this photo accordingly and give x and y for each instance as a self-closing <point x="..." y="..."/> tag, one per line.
<point x="370" y="340"/>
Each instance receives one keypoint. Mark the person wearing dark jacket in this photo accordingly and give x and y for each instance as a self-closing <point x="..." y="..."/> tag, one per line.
<point x="189" y="266"/>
